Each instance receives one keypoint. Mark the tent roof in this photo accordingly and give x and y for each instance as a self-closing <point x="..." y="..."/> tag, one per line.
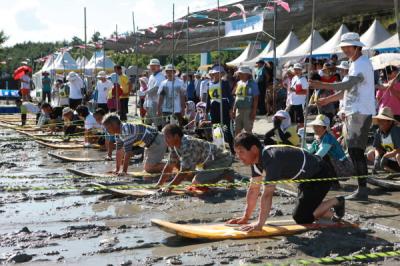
<point x="203" y="32"/>
<point x="83" y="62"/>
<point x="64" y="61"/>
<point x="304" y="48"/>
<point x="374" y="35"/>
<point x="391" y="42"/>
<point x="290" y="43"/>
<point x="248" y="53"/>
<point x="267" y="49"/>
<point x="98" y="62"/>
<point x="49" y="61"/>
<point x="331" y="46"/>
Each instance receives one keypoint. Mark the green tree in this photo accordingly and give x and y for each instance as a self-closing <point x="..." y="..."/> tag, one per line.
<point x="76" y="41"/>
<point x="3" y="37"/>
<point x="96" y="37"/>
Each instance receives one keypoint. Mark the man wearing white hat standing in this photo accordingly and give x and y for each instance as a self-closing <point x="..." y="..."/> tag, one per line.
<point x="358" y="93"/>
<point x="75" y="84"/>
<point x="171" y="97"/>
<point x="103" y="86"/>
<point x="151" y="100"/>
<point x="299" y="88"/>
<point x="246" y="102"/>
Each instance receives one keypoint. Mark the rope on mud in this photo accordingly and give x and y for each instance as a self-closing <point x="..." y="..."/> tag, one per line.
<point x="180" y="186"/>
<point x="340" y="259"/>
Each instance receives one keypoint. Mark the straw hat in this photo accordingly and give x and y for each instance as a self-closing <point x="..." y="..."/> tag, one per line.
<point x="385" y="113"/>
<point x="321" y="120"/>
<point x="350" y="39"/>
<point x="102" y="74"/>
<point x="244" y="70"/>
<point x="343" y="65"/>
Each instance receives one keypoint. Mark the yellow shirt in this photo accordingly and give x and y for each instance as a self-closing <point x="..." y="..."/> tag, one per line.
<point x="124" y="83"/>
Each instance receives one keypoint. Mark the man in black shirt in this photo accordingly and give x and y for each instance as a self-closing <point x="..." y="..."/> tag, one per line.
<point x="280" y="162"/>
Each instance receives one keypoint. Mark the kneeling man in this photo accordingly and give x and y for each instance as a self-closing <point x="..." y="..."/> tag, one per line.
<point x="277" y="162"/>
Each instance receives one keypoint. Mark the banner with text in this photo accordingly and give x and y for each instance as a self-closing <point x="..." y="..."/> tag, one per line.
<point x="240" y="27"/>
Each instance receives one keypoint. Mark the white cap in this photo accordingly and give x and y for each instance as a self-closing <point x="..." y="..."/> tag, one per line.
<point x="154" y="62"/>
<point x="169" y="67"/>
<point x="321" y="120"/>
<point x="244" y="70"/>
<point x="72" y="76"/>
<point x="102" y="74"/>
<point x="67" y="110"/>
<point x="344" y="65"/>
<point x="350" y="39"/>
<point x="298" y="66"/>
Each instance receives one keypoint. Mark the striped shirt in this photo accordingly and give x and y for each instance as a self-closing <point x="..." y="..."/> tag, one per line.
<point x="135" y="135"/>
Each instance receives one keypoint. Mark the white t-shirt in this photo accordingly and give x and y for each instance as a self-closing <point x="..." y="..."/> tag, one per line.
<point x="151" y="99"/>
<point x="25" y="82"/>
<point x="172" y="97"/>
<point x="361" y="98"/>
<point x="295" y="98"/>
<point x="75" y="87"/>
<point x="90" y="122"/>
<point x="204" y="87"/>
<point x="102" y="90"/>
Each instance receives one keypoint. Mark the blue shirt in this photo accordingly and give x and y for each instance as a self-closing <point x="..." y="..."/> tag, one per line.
<point x="328" y="145"/>
<point x="46" y="84"/>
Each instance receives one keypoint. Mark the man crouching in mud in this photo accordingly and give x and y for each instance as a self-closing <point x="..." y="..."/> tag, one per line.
<point x="278" y="162"/>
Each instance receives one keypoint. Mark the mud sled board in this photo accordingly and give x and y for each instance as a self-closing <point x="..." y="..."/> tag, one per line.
<point x="64" y="158"/>
<point x="138" y="174"/>
<point x="222" y="231"/>
<point x="146" y="192"/>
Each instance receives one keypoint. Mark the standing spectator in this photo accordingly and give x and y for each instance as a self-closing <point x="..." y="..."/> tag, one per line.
<point x="190" y="89"/>
<point x="75" y="85"/>
<point x="204" y="87"/>
<point x="171" y="98"/>
<point x="245" y="107"/>
<point x="103" y="88"/>
<point x="46" y="87"/>
<point x="358" y="93"/>
<point x="151" y="93"/>
<point x="219" y="93"/>
<point x="299" y="87"/>
<point x="126" y="86"/>
<point x="143" y="81"/>
<point x="197" y="82"/>
<point x="261" y="79"/>
<point x="60" y="94"/>
<point x="25" y="86"/>
<point x="388" y="95"/>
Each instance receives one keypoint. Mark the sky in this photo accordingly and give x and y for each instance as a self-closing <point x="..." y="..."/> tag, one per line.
<point x="56" y="20"/>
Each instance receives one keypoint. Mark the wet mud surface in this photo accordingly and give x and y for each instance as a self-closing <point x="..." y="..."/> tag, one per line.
<point x="51" y="225"/>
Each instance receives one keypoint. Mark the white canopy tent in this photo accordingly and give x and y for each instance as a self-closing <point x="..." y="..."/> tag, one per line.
<point x="248" y="53"/>
<point x="63" y="63"/>
<point x="331" y="46"/>
<point x="100" y="62"/>
<point x="304" y="49"/>
<point x="391" y="43"/>
<point x="374" y="35"/>
<point x="267" y="49"/>
<point x="290" y="43"/>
